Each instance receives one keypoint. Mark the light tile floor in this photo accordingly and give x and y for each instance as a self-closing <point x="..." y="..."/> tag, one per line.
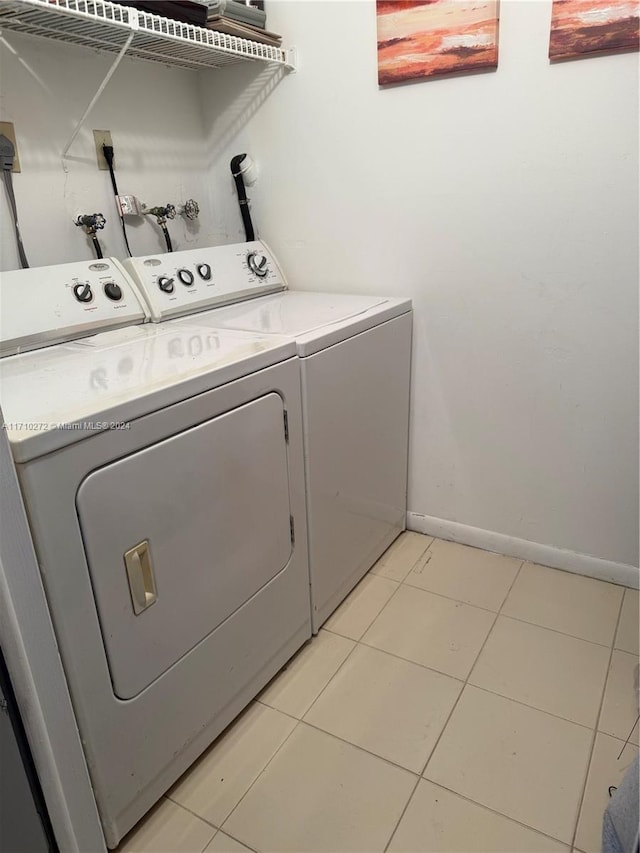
<point x="456" y="701"/>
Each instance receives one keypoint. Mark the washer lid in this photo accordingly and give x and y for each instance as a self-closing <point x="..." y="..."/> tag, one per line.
<point x="57" y="396"/>
<point x="315" y="320"/>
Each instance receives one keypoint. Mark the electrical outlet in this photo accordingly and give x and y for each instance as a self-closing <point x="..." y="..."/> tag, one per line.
<point x="102" y="137"/>
<point x="7" y="129"/>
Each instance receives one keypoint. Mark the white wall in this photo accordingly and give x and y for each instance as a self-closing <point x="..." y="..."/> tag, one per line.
<point x="506" y="205"/>
<point x="155" y="119"/>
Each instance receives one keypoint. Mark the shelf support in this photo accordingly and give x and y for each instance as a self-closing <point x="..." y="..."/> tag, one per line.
<point x="94" y="100"/>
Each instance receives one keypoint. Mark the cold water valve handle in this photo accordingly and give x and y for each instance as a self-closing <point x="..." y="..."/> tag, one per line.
<point x="190" y="209"/>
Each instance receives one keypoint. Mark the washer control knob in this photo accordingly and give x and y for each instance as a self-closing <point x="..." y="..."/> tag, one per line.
<point x="113" y="291"/>
<point x="83" y="292"/>
<point x="165" y="284"/>
<point x="258" y="264"/>
<point x="204" y="271"/>
<point x="186" y="277"/>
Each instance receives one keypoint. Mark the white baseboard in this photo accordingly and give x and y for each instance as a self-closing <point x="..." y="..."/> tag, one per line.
<point x="534" y="552"/>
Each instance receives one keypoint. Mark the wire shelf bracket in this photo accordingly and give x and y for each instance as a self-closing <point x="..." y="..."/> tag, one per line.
<point x="96" y="97"/>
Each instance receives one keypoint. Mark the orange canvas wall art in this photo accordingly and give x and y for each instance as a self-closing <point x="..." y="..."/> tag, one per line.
<point x="588" y="27"/>
<point x="435" y="37"/>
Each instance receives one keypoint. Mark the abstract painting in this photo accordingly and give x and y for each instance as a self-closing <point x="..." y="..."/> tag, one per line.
<point x="588" y="27"/>
<point x="432" y="38"/>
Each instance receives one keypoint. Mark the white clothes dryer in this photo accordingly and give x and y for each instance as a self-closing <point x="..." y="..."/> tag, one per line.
<point x="355" y="358"/>
<point x="162" y="472"/>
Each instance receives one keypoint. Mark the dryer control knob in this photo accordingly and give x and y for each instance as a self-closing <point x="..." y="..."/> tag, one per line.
<point x="204" y="271"/>
<point x="258" y="264"/>
<point x="113" y="291"/>
<point x="186" y="277"/>
<point x="165" y="284"/>
<point x="83" y="292"/>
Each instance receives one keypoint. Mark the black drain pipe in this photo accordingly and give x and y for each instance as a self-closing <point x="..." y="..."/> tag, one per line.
<point x="242" y="196"/>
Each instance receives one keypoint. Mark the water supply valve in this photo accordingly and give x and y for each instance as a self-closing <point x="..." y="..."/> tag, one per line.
<point x="91" y="222"/>
<point x="161" y="213"/>
<point x="190" y="209"/>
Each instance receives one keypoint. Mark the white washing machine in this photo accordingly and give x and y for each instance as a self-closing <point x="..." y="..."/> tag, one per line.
<point x="355" y="357"/>
<point x="163" y="476"/>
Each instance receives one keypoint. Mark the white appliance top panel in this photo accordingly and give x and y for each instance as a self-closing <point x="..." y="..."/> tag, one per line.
<point x="178" y="283"/>
<point x="315" y="320"/>
<point x="54" y="397"/>
<point x="46" y="305"/>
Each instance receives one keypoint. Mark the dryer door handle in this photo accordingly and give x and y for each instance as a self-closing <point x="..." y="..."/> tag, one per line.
<point x="142" y="585"/>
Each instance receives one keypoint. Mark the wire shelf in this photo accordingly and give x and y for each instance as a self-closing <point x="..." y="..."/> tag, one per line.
<point x="106" y="26"/>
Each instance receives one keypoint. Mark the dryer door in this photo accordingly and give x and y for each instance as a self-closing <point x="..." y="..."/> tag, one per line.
<point x="179" y="535"/>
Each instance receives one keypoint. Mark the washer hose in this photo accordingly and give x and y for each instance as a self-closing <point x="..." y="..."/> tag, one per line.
<point x="7" y="154"/>
<point x="242" y="196"/>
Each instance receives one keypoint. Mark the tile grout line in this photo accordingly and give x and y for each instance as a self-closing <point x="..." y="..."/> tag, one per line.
<point x="595" y="730"/>
<point x="208" y="822"/>
<point x="466" y="680"/>
<point x="256" y="779"/>
<point x="158" y="803"/>
<point x="409" y="570"/>
<point x="252" y="849"/>
<point x="355" y="645"/>
<point x="413" y="586"/>
<point x="453" y="708"/>
<point x="393" y="594"/>
<point x="354" y="639"/>
<point x="493" y="624"/>
<point x="408" y="660"/>
<point x="315" y="699"/>
<point x="554" y="630"/>
<point x="478" y="607"/>
<point x="298" y="722"/>
<point x="466" y="684"/>
<point x="191" y="812"/>
<point x="518" y="573"/>
<point x="507" y="615"/>
<point x="499" y="611"/>
<point x="301" y="721"/>
<point x="375" y="755"/>
<point x="471" y="668"/>
<point x="531" y="707"/>
<point x="499" y="814"/>
<point x="448" y="597"/>
<point x="462" y="682"/>
<point x="497" y="614"/>
<point x="402" y="814"/>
